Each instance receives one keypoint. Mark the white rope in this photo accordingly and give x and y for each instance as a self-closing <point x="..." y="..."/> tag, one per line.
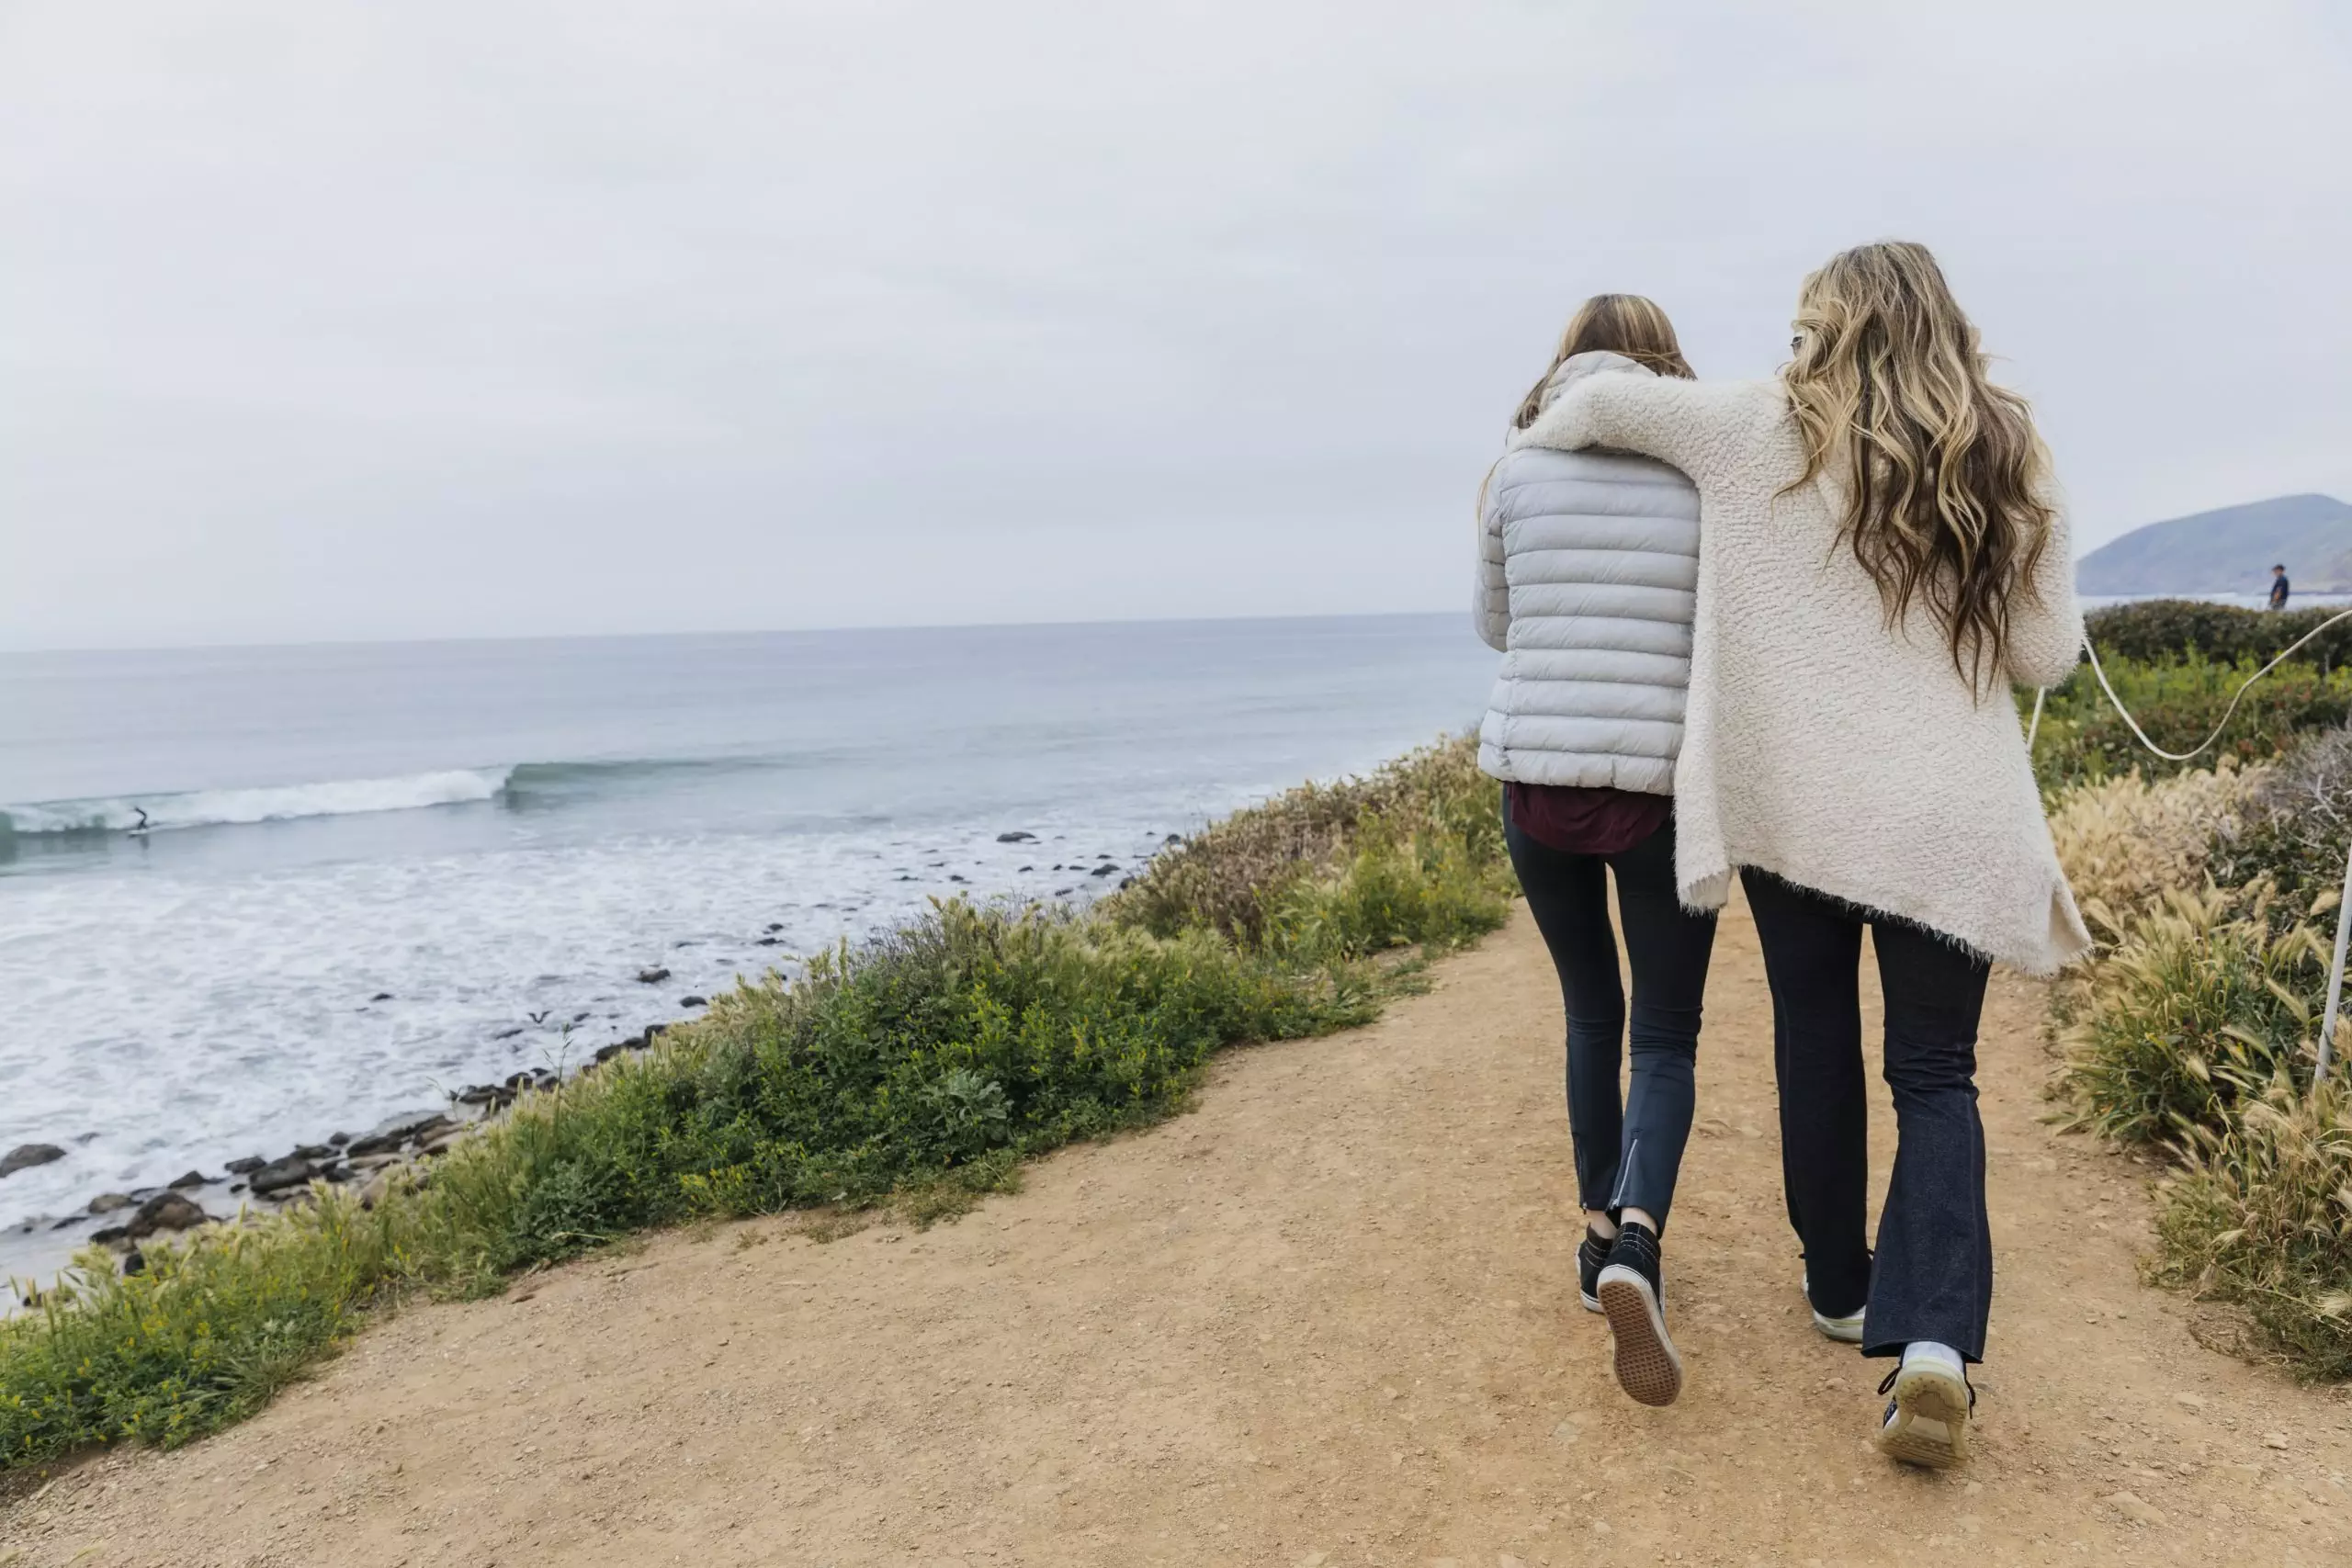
<point x="2343" y="904"/>
<point x="2226" y="712"/>
<point x="2041" y="695"/>
<point x="2335" y="980"/>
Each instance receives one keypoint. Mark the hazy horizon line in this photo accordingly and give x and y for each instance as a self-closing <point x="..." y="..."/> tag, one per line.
<point x="876" y="627"/>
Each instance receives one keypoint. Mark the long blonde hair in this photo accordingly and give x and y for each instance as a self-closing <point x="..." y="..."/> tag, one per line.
<point x="1943" y="472"/>
<point x="1621" y="323"/>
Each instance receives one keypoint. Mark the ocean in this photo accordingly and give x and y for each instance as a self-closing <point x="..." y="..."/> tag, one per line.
<point x="376" y="872"/>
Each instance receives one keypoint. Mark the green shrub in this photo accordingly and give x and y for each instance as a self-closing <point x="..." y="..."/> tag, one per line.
<point x="976" y="1032"/>
<point x="2179" y="700"/>
<point x="201" y="1337"/>
<point x="2197" y="1007"/>
<point x="1231" y="876"/>
<point x="2264" y="1219"/>
<point x="2153" y="629"/>
<point x="1425" y="891"/>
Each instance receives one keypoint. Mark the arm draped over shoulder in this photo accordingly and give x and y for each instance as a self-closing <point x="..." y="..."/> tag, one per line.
<point x="1685" y="424"/>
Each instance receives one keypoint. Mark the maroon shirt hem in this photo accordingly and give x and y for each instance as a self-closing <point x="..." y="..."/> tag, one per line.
<point x="1581" y="821"/>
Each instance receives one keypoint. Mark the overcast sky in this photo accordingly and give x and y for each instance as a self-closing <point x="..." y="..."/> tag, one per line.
<point x="488" y="317"/>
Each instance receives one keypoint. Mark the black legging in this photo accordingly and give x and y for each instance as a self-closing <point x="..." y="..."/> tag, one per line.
<point x="1933" y="1275"/>
<point x="1628" y="1157"/>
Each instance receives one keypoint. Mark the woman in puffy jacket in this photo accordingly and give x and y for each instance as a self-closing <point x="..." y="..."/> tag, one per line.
<point x="1884" y="558"/>
<point x="1588" y="569"/>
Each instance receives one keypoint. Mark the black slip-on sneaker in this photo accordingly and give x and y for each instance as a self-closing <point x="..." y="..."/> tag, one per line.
<point x="1926" y="1419"/>
<point x="1633" y="1293"/>
<point x="1591" y="1256"/>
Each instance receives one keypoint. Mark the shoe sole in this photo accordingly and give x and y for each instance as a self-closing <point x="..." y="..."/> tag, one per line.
<point x="1930" y="1424"/>
<point x="1649" y="1367"/>
<point x="1592" y="1302"/>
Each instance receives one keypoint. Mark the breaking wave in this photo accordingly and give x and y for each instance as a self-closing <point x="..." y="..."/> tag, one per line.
<point x="220" y="807"/>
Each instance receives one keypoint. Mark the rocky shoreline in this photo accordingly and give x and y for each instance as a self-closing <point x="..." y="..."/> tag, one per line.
<point x="258" y="1184"/>
<point x="262" y="1186"/>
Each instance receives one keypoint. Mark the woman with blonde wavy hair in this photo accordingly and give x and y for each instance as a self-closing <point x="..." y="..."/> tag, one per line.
<point x="1883" y="556"/>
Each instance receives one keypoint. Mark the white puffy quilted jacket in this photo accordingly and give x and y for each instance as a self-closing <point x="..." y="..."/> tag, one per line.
<point x="1588" y="570"/>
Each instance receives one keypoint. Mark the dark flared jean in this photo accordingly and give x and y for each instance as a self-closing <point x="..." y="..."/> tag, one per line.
<point x="1932" y="1275"/>
<point x="1627" y="1153"/>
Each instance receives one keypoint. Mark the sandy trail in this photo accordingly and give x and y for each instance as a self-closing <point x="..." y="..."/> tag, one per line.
<point x="1328" y="1318"/>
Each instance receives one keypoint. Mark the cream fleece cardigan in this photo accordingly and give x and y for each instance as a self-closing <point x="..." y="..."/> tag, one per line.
<point x="1818" y="744"/>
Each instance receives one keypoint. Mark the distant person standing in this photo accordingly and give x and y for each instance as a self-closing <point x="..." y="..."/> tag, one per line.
<point x="2279" y="587"/>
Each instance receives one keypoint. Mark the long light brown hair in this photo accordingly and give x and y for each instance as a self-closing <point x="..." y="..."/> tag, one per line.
<point x="1621" y="323"/>
<point x="1943" y="472"/>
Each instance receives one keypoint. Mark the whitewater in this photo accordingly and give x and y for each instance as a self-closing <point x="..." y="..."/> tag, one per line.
<point x="377" y="874"/>
<point x="232" y="807"/>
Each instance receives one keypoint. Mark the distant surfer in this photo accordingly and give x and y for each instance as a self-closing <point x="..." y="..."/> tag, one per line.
<point x="2279" y="587"/>
<point x="138" y="830"/>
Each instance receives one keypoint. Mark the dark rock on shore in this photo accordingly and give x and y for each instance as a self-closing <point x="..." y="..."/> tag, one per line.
<point x="652" y="976"/>
<point x="189" y="1178"/>
<point x="165" y="1211"/>
<point x="507" y="1034"/>
<point x="694" y="1001"/>
<point x="382" y="996"/>
<point x="389" y="1137"/>
<point x="1016" y="837"/>
<point x="312" y="1151"/>
<point x="107" y="1203"/>
<point x="336" y="1140"/>
<point x="245" y="1166"/>
<point x="24" y="1157"/>
<point x="1104" y="870"/>
<point x="282" y="1175"/>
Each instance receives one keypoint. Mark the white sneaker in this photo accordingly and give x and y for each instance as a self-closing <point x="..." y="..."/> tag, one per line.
<point x="1845" y="1330"/>
<point x="1926" y="1421"/>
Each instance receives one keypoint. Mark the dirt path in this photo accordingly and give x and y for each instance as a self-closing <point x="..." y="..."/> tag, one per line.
<point x="1330" y="1318"/>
